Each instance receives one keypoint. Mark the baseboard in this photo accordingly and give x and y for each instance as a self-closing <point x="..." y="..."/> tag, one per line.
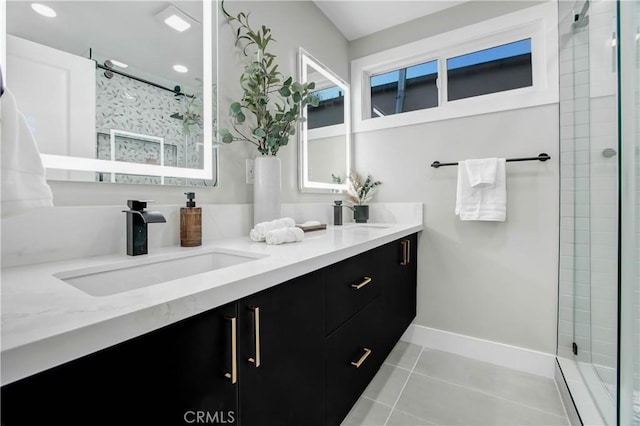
<point x="527" y="360"/>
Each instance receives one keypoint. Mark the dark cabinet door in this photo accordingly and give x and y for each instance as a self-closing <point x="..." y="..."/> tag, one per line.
<point x="396" y="263"/>
<point x="194" y="370"/>
<point x="355" y="352"/>
<point x="282" y="380"/>
<point x="168" y="376"/>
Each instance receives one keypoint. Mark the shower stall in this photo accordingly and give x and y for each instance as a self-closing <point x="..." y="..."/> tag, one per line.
<point x="599" y="280"/>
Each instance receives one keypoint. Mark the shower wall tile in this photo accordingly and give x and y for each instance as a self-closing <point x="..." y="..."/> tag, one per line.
<point x="126" y="104"/>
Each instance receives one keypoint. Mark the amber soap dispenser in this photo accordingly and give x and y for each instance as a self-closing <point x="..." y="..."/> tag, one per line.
<point x="190" y="223"/>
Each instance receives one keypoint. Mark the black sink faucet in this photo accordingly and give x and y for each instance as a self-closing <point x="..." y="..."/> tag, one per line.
<point x="137" y="220"/>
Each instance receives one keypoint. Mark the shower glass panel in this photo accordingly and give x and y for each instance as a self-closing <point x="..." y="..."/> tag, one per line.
<point x="629" y="104"/>
<point x="588" y="309"/>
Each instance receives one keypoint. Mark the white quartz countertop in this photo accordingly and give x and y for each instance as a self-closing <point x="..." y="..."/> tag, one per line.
<point x="46" y="321"/>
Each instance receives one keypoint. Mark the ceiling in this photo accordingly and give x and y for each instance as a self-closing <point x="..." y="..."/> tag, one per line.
<point x="359" y="18"/>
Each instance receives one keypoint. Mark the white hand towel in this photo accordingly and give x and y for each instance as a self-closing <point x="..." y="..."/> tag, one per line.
<point x="24" y="185"/>
<point x="483" y="202"/>
<point x="259" y="232"/>
<point x="481" y="172"/>
<point x="284" y="235"/>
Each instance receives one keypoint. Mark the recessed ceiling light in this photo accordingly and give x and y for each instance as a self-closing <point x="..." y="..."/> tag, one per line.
<point x="44" y="10"/>
<point x="176" y="18"/>
<point x="177" y="23"/>
<point x="180" y="68"/>
<point x="118" y="63"/>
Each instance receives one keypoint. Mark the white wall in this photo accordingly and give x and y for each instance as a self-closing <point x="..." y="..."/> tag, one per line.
<point x="494" y="281"/>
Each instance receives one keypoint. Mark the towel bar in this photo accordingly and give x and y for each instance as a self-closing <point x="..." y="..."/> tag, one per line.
<point x="541" y="157"/>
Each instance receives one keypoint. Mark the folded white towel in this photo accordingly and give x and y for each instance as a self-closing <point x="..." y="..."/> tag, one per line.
<point x="284" y="235"/>
<point x="484" y="201"/>
<point x="24" y="185"/>
<point x="481" y="172"/>
<point x="259" y="232"/>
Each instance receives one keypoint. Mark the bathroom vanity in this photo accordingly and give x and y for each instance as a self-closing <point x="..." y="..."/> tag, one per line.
<point x="291" y="336"/>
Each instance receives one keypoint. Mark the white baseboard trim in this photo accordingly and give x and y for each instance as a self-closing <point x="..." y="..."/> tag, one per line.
<point x="527" y="360"/>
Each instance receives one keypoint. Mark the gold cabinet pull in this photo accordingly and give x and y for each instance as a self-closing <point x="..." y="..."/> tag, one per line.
<point x="362" y="359"/>
<point x="364" y="282"/>
<point x="233" y="376"/>
<point x="406" y="252"/>
<point x="256" y="332"/>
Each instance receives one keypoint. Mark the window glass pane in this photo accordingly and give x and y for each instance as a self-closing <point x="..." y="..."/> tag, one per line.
<point x="329" y="111"/>
<point x="491" y="70"/>
<point x="406" y="89"/>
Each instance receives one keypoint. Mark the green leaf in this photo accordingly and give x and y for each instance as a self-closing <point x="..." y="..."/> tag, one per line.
<point x="288" y="81"/>
<point x="284" y="91"/>
<point x="311" y="85"/>
<point x="297" y="87"/>
<point x="225" y="136"/>
<point x="235" y="108"/>
<point x="240" y="118"/>
<point x="259" y="132"/>
<point x="297" y="97"/>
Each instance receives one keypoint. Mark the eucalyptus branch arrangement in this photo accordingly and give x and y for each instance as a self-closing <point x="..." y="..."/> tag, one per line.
<point x="192" y="114"/>
<point x="273" y="102"/>
<point x="360" y="192"/>
<point x="192" y="110"/>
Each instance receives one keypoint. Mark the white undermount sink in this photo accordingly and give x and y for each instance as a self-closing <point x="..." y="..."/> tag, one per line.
<point x="121" y="277"/>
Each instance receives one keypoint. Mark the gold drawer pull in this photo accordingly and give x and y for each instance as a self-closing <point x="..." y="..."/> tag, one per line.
<point x="362" y="359"/>
<point x="233" y="376"/>
<point x="256" y="333"/>
<point x="406" y="252"/>
<point x="366" y="281"/>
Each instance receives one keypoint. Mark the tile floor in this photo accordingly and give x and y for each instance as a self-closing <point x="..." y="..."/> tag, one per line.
<point x="420" y="386"/>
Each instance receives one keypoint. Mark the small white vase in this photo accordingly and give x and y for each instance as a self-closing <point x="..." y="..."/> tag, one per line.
<point x="266" y="189"/>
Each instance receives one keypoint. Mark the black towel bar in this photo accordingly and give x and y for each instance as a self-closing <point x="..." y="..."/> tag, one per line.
<point x="541" y="157"/>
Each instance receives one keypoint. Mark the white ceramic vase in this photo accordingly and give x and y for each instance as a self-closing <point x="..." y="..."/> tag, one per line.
<point x="266" y="189"/>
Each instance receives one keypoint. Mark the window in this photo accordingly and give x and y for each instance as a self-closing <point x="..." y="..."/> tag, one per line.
<point x="503" y="63"/>
<point x="406" y="89"/>
<point x="492" y="70"/>
<point x="330" y="110"/>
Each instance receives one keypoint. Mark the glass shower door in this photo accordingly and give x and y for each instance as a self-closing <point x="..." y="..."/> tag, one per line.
<point x="629" y="105"/>
<point x="588" y="315"/>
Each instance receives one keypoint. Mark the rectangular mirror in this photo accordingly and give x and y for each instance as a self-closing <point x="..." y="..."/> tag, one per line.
<point x="113" y="92"/>
<point x="325" y="135"/>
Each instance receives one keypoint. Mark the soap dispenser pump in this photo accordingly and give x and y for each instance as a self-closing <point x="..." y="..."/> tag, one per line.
<point x="190" y="223"/>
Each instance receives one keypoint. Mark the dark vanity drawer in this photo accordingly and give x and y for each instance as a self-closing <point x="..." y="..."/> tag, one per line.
<point x="354" y="355"/>
<point x="350" y="286"/>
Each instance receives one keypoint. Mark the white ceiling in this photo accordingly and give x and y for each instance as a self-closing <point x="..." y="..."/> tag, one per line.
<point x="358" y="18"/>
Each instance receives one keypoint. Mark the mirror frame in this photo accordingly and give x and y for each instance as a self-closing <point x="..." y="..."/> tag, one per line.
<point x="305" y="60"/>
<point x="50" y="161"/>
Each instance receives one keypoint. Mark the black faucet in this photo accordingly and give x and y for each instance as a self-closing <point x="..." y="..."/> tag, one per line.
<point x="137" y="220"/>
